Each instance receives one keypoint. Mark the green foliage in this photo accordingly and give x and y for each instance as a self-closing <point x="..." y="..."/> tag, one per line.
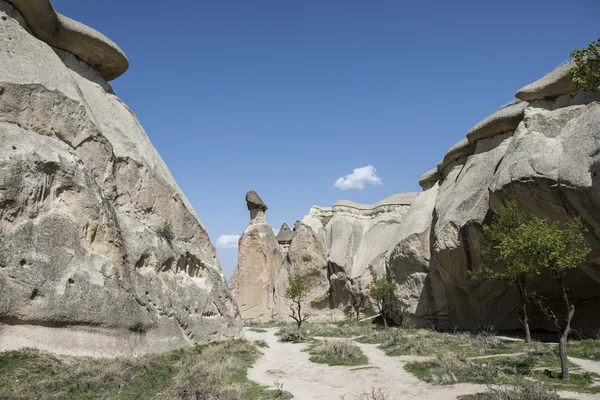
<point x="381" y="291"/>
<point x="543" y="245"/>
<point x="297" y="290"/>
<point x="586" y="73"/>
<point x="497" y="262"/>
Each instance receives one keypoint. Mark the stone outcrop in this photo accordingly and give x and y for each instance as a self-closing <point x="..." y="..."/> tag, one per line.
<point x="546" y="159"/>
<point x="258" y="280"/>
<point x="541" y="149"/>
<point x="100" y="251"/>
<point x="284" y="238"/>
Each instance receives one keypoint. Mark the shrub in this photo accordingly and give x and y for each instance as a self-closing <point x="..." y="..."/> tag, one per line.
<point x="337" y="352"/>
<point x="528" y="391"/>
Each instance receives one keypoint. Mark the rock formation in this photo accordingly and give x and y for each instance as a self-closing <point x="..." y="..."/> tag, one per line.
<point x="258" y="278"/>
<point x="100" y="251"/>
<point x="284" y="238"/>
<point x="543" y="149"/>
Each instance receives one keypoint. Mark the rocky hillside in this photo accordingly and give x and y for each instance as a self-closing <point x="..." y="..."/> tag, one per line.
<point x="100" y="251"/>
<point x="543" y="149"/>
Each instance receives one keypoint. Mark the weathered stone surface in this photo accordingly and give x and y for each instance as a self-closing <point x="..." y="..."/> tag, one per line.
<point x="306" y="258"/>
<point x="506" y="119"/>
<point x="257" y="278"/>
<point x="253" y="201"/>
<point x="346" y="239"/>
<point x="461" y="207"/>
<point x="548" y="164"/>
<point x="420" y="287"/>
<point x="64" y="33"/>
<point x="97" y="241"/>
<point x="429" y="178"/>
<point x="285" y="234"/>
<point x="553" y="84"/>
<point x="454" y="154"/>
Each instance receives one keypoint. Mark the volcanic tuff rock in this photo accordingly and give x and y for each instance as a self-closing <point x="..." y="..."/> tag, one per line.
<point x="100" y="251"/>
<point x="544" y="151"/>
<point x="258" y="280"/>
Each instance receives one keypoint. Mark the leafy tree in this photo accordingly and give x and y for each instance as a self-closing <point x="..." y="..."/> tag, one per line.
<point x="381" y="291"/>
<point x="296" y="293"/>
<point x="585" y="75"/>
<point x="557" y="250"/>
<point x="510" y="266"/>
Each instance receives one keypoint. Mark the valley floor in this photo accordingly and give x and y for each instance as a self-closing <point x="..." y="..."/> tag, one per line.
<point x="288" y="364"/>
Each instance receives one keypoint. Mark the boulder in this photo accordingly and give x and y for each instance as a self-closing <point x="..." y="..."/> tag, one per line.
<point x="100" y="251"/>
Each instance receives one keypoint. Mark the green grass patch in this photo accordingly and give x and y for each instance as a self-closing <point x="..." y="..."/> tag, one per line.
<point x="336" y="352"/>
<point x="540" y="366"/>
<point x="216" y="370"/>
<point x="257" y="330"/>
<point x="588" y="349"/>
<point x="526" y="391"/>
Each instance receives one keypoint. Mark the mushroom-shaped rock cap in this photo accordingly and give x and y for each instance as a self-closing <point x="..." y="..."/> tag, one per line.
<point x="456" y="152"/>
<point x="285" y="234"/>
<point x="551" y="85"/>
<point x="429" y="178"/>
<point x="254" y="201"/>
<point x="504" y="120"/>
<point x="64" y="33"/>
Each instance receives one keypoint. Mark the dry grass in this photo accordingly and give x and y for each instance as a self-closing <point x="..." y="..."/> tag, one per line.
<point x="215" y="371"/>
<point x="528" y="391"/>
<point x="373" y="394"/>
<point x="337" y="352"/>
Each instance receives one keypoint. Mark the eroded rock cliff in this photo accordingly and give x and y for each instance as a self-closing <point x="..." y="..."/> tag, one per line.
<point x="543" y="149"/>
<point x="100" y="251"/>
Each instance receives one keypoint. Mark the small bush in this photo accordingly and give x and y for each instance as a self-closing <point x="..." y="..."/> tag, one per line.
<point x="337" y="352"/>
<point x="340" y="348"/>
<point x="289" y="333"/>
<point x="528" y="391"/>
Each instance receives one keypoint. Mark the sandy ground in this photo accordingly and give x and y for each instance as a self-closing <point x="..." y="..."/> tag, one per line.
<point x="287" y="364"/>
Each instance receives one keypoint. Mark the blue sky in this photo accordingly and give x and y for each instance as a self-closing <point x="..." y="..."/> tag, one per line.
<point x="286" y="97"/>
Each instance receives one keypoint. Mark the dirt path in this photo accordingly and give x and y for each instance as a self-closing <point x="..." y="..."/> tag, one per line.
<point x="288" y="364"/>
<point x="588" y="365"/>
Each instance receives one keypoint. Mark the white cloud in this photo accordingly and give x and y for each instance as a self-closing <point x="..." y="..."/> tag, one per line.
<point x="275" y="231"/>
<point x="228" y="241"/>
<point x="358" y="178"/>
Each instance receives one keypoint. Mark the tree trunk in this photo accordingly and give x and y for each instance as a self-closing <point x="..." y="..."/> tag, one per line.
<point x="299" y="321"/>
<point x="564" y="334"/>
<point x="524" y="301"/>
